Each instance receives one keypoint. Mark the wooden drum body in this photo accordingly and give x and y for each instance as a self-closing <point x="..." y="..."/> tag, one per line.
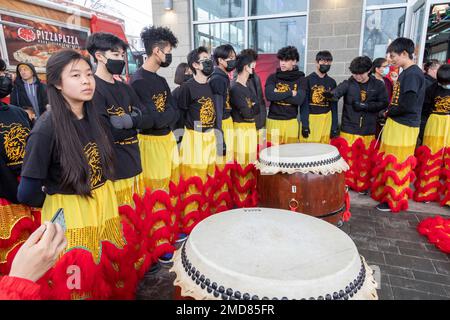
<point x="306" y="178"/>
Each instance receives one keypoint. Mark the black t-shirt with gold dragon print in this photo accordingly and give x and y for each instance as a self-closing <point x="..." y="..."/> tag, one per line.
<point x="196" y="102"/>
<point x="116" y="99"/>
<point x="437" y="100"/>
<point x="156" y="98"/>
<point x="316" y="87"/>
<point x="14" y="130"/>
<point x="42" y="159"/>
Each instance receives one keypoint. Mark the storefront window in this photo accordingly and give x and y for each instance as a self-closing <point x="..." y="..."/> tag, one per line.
<point x="380" y="29"/>
<point x="205" y="10"/>
<point x="269" y="35"/>
<point x="264" y="7"/>
<point x="381" y="2"/>
<point x="215" y="34"/>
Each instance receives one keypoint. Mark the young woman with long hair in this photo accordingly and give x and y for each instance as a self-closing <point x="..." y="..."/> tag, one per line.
<point x="69" y="155"/>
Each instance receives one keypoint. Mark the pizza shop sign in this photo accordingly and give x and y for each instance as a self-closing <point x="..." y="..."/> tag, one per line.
<point x="43" y="36"/>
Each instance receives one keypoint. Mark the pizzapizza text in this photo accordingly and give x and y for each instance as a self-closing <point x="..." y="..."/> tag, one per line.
<point x="56" y="37"/>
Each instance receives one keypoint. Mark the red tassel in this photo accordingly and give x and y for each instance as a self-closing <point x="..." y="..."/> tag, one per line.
<point x="347" y="214"/>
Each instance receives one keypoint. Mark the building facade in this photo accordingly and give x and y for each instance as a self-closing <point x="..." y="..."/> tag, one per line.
<point x="347" y="28"/>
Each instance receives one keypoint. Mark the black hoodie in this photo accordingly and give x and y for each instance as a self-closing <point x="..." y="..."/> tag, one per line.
<point x="19" y="95"/>
<point x="279" y="87"/>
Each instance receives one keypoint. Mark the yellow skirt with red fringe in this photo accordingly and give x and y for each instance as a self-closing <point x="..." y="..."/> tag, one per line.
<point x="222" y="198"/>
<point x="159" y="181"/>
<point x="394" y="166"/>
<point x="358" y="152"/>
<point x="198" y="156"/>
<point x="433" y="162"/>
<point x="94" y="234"/>
<point x="17" y="223"/>
<point x="282" y="131"/>
<point x="320" y="127"/>
<point x="244" y="176"/>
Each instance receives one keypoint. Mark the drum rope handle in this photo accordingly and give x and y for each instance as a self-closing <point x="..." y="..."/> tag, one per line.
<point x="293" y="205"/>
<point x="347" y="214"/>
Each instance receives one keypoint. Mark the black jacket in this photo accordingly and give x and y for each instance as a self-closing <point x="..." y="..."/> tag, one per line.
<point x="19" y="95"/>
<point x="255" y="86"/>
<point x="361" y="121"/>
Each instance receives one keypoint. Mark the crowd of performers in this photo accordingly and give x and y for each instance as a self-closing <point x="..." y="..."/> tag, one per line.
<point x="135" y="166"/>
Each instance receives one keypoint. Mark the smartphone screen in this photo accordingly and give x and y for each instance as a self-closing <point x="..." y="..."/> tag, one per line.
<point x="59" y="218"/>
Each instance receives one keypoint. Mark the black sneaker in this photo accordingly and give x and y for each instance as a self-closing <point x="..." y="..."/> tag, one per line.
<point x="166" y="259"/>
<point x="364" y="192"/>
<point x="154" y="268"/>
<point x="383" y="207"/>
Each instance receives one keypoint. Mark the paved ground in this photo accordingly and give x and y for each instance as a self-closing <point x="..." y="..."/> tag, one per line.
<point x="410" y="268"/>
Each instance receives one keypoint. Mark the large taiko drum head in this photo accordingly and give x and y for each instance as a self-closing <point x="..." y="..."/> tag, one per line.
<point x="305" y="177"/>
<point x="265" y="253"/>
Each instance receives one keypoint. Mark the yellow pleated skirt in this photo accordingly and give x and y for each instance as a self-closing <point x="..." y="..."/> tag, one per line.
<point x="126" y="188"/>
<point x="320" y="128"/>
<point x="398" y="140"/>
<point x="198" y="154"/>
<point x="437" y="132"/>
<point x="246" y="143"/>
<point x="89" y="220"/>
<point x="160" y="162"/>
<point x="282" y="131"/>
<point x="228" y="135"/>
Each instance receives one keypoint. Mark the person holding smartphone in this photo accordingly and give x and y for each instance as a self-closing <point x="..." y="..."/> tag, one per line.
<point x="35" y="257"/>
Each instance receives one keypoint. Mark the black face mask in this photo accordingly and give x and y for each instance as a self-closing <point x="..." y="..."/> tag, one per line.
<point x="168" y="60"/>
<point x="324" y="68"/>
<point x="208" y="67"/>
<point x="187" y="77"/>
<point x="231" y="65"/>
<point x="115" y="66"/>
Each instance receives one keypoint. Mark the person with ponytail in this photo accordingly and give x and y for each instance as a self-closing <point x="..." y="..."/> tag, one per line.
<point x="434" y="154"/>
<point x="69" y="165"/>
<point x="245" y="107"/>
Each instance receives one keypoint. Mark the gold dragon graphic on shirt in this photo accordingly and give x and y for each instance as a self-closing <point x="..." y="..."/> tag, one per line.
<point x="207" y="112"/>
<point x="317" y="98"/>
<point x="395" y="94"/>
<point x="15" y="136"/>
<point x="160" y="101"/>
<point x="95" y="168"/>
<point x="363" y="95"/>
<point x="442" y="104"/>
<point x="116" y="111"/>
<point x="249" y="102"/>
<point x="282" y="87"/>
<point x="227" y="103"/>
